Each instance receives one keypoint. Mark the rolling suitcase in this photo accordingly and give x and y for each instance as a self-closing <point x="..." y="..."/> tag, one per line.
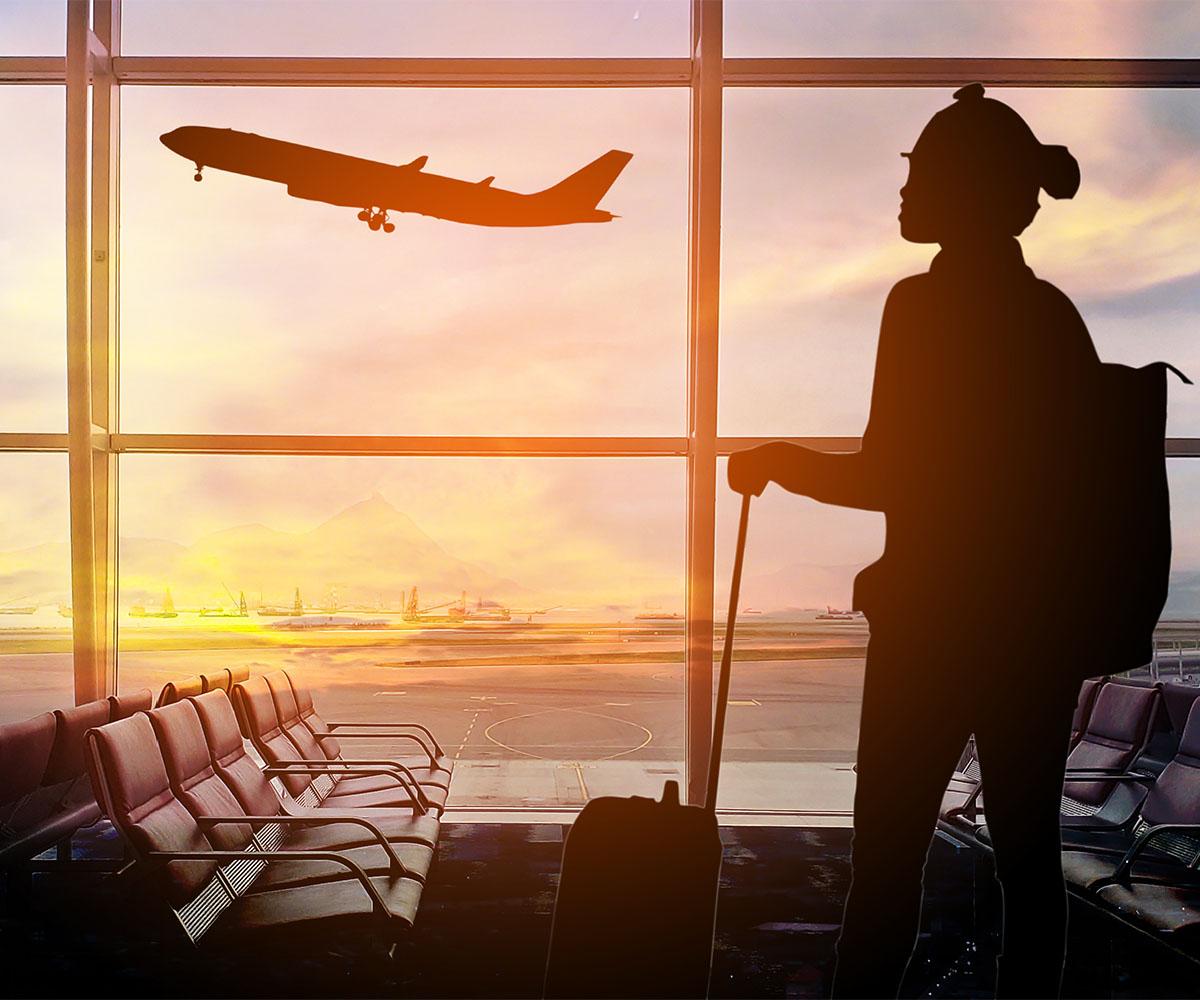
<point x="637" y="896"/>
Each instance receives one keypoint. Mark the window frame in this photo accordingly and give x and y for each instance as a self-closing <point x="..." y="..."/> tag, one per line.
<point x="91" y="74"/>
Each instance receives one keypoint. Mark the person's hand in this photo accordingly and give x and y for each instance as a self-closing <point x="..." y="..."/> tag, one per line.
<point x="750" y="470"/>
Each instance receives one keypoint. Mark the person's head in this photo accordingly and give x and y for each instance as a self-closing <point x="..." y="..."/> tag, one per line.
<point x="975" y="173"/>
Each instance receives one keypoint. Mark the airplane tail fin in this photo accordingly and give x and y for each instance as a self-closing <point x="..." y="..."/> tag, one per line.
<point x="587" y="186"/>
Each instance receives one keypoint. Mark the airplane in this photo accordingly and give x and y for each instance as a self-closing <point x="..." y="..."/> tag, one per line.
<point x="377" y="188"/>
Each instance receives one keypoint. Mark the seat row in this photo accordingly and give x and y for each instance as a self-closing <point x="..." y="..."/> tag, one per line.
<point x="222" y="679"/>
<point x="45" y="794"/>
<point x="1130" y="809"/>
<point x="233" y="853"/>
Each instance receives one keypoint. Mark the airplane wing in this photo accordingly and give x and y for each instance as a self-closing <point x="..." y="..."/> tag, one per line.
<point x="417" y="164"/>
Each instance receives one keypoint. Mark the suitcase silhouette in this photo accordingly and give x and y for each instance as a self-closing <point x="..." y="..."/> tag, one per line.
<point x="637" y="895"/>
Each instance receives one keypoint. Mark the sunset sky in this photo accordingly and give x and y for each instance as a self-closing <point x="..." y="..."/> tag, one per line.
<point x="244" y="310"/>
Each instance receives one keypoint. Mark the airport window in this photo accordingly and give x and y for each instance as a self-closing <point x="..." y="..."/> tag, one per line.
<point x="32" y="314"/>
<point x="33" y="27"/>
<point x="461" y="29"/>
<point x="424" y="587"/>
<point x="953" y="28"/>
<point x="530" y="397"/>
<point x="238" y="303"/>
<point x="813" y="305"/>
<point x="799" y="652"/>
<point x="35" y="586"/>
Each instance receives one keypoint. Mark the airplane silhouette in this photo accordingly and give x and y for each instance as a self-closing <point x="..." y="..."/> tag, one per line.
<point x="336" y="179"/>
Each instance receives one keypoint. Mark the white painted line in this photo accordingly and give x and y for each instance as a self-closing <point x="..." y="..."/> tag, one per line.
<point x="748" y="703"/>
<point x="389" y="694"/>
<point x="617" y="704"/>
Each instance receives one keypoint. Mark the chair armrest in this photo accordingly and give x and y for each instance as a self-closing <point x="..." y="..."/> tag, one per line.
<point x="397" y="866"/>
<point x="1071" y="771"/>
<point x="380" y="735"/>
<point x="419" y="801"/>
<point x="367" y="765"/>
<point x="1142" y="842"/>
<point x="391" y="725"/>
<point x="377" y="903"/>
<point x="1109" y="778"/>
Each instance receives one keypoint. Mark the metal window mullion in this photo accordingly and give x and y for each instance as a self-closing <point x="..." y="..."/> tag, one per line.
<point x="363" y="71"/>
<point x="387" y="445"/>
<point x="703" y="301"/>
<point x="926" y="71"/>
<point x="104" y="276"/>
<point x="89" y="670"/>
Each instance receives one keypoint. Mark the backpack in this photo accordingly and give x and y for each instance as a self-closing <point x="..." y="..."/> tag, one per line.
<point x="1123" y="538"/>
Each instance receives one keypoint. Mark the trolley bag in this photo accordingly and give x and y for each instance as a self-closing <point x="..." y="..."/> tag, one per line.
<point x="637" y="896"/>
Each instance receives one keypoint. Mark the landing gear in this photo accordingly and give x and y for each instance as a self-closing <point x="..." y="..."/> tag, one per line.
<point x="198" y="176"/>
<point x="377" y="220"/>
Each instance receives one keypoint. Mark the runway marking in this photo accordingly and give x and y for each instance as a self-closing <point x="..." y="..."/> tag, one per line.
<point x="583" y="788"/>
<point x="617" y="704"/>
<point x="389" y="694"/>
<point x="546" y="711"/>
<point x="467" y="736"/>
<point x="747" y="703"/>
<point x="483" y="697"/>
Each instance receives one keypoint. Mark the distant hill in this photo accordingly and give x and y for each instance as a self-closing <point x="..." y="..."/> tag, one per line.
<point x="368" y="552"/>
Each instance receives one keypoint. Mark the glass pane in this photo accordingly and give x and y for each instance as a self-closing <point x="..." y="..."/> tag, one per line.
<point x="33" y="335"/>
<point x="797" y="677"/>
<point x="1178" y="640"/>
<point x="524" y="650"/>
<point x="811" y="244"/>
<point x="33" y="28"/>
<point x="1065" y="28"/>
<point x="459" y="28"/>
<point x="36" y="672"/>
<point x="244" y="310"/>
<point x="796" y="686"/>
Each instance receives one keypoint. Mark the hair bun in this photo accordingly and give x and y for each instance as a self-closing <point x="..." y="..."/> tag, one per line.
<point x="1058" y="172"/>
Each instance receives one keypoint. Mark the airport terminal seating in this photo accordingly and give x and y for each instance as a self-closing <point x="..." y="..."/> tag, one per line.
<point x="1145" y="872"/>
<point x="212" y="866"/>
<point x="122" y="706"/>
<point x="1131" y="816"/>
<point x="45" y="793"/>
<point x="430" y="765"/>
<point x="174" y="691"/>
<point x="1118" y="725"/>
<point x="311" y="778"/>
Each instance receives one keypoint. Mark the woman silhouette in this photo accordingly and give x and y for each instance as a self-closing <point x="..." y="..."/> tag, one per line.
<point x="980" y="384"/>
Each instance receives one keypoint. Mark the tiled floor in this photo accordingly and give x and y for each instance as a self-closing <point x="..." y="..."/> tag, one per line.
<point x="484" y="923"/>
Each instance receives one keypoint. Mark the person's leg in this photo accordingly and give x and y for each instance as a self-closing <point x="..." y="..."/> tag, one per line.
<point x="910" y="737"/>
<point x="1022" y="753"/>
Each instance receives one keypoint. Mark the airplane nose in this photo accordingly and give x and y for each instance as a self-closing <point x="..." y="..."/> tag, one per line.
<point x="175" y="140"/>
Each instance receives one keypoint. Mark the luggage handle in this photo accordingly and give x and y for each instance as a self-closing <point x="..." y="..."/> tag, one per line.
<point x="718" y="738"/>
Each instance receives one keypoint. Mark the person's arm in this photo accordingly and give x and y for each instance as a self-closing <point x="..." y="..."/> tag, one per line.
<point x="842" y="479"/>
<point x="849" y="479"/>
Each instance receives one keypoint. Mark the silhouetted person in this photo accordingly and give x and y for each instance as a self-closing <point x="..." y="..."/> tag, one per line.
<point x="982" y="385"/>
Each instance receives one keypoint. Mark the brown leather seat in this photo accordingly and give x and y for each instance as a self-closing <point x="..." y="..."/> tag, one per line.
<point x="174" y="691"/>
<point x="429" y="764"/>
<point x="287" y="713"/>
<point x="238" y="674"/>
<point x="257" y="797"/>
<point x="24" y="815"/>
<point x="128" y="766"/>
<point x="220" y="680"/>
<point x="256" y="711"/>
<point x="196" y="784"/>
<point x="122" y="706"/>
